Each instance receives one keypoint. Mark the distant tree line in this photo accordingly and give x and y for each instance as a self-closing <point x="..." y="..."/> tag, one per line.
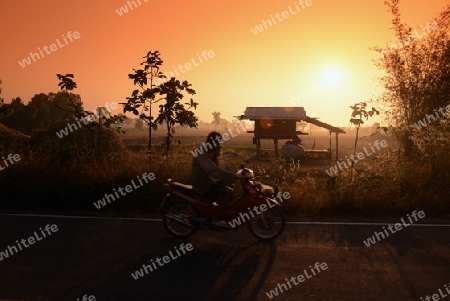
<point x="42" y="111"/>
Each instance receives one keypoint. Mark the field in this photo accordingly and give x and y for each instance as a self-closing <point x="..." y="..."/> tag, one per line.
<point x="65" y="178"/>
<point x="307" y="181"/>
<point x="317" y="139"/>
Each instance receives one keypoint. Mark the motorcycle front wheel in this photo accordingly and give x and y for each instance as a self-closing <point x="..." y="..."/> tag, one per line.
<point x="268" y="224"/>
<point x="177" y="219"/>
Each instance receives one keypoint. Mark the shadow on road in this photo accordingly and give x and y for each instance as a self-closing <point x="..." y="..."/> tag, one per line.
<point x="223" y="271"/>
<point x="242" y="274"/>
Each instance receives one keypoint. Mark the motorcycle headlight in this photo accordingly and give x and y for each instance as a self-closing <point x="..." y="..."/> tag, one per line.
<point x="247" y="173"/>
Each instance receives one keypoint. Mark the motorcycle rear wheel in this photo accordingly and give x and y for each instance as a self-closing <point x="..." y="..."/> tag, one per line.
<point x="268" y="225"/>
<point x="181" y="210"/>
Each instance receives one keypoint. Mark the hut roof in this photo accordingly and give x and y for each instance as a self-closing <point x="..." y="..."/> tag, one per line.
<point x="285" y="113"/>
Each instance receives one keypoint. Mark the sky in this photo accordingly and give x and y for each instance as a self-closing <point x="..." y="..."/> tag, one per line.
<point x="309" y="53"/>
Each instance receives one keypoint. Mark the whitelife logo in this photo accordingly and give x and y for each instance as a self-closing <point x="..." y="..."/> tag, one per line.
<point x="206" y="54"/>
<point x="11" y="158"/>
<point x="371" y="240"/>
<point x="430" y="118"/>
<point x="166" y="259"/>
<point x="329" y="81"/>
<point x="49" y="49"/>
<point x="413" y="37"/>
<point x="85" y="120"/>
<point x="146" y="177"/>
<point x="124" y="9"/>
<point x="244" y="217"/>
<point x="284" y="15"/>
<point x="437" y="297"/>
<point x="86" y="298"/>
<point x="296" y="280"/>
<point x="31" y="240"/>
<point x="225" y="137"/>
<point x="334" y="169"/>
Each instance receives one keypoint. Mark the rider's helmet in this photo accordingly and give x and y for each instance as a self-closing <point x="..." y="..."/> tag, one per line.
<point x="214" y="139"/>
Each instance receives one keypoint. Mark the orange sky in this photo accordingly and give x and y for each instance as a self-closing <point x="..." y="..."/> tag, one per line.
<point x="265" y="69"/>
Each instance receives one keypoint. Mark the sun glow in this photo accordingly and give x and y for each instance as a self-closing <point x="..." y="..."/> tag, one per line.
<point x="332" y="77"/>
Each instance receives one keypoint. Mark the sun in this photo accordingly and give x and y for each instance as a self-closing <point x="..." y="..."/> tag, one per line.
<point x="332" y="77"/>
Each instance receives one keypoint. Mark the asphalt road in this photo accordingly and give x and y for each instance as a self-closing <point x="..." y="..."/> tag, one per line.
<point x="95" y="257"/>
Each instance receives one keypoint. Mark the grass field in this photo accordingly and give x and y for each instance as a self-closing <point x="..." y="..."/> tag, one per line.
<point x="66" y="178"/>
<point x="307" y="182"/>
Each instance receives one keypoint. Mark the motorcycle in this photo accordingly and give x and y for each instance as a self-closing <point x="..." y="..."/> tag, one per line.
<point x="185" y="211"/>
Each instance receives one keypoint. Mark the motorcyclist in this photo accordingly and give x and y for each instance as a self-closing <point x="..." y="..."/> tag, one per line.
<point x="205" y="175"/>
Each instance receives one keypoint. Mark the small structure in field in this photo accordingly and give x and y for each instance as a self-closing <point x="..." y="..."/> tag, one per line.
<point x="280" y="123"/>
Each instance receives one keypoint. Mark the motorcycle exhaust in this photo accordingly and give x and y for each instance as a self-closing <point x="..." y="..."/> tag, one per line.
<point x="178" y="219"/>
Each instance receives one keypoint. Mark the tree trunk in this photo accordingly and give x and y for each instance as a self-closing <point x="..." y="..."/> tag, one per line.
<point x="149" y="141"/>
<point x="408" y="147"/>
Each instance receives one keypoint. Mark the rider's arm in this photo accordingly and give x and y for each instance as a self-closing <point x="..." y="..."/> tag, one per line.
<point x="209" y="167"/>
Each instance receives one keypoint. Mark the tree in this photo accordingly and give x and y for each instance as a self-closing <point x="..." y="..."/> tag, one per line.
<point x="173" y="111"/>
<point x="40" y="112"/>
<point x="417" y="80"/>
<point x="143" y="98"/>
<point x="139" y="125"/>
<point x="76" y="106"/>
<point x="358" y="114"/>
<point x="60" y="106"/>
<point x="216" y="120"/>
<point x="18" y="116"/>
<point x="1" y="99"/>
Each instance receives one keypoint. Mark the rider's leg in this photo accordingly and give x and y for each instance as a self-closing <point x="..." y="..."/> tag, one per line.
<point x="223" y="201"/>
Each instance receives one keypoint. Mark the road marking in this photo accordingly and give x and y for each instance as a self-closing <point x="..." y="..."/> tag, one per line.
<point x="160" y="220"/>
<point x="364" y="224"/>
<point x="80" y="217"/>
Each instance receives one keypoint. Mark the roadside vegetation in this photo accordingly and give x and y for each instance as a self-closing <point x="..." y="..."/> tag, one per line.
<point x="73" y="172"/>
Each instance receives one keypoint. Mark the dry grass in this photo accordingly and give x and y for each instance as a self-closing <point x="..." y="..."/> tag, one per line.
<point x="72" y="174"/>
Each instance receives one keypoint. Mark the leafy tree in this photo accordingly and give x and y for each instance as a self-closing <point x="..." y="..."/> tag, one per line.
<point x="216" y="120"/>
<point x="360" y="113"/>
<point x="433" y="143"/>
<point x="46" y="109"/>
<point x="141" y="100"/>
<point x="16" y="115"/>
<point x="417" y="80"/>
<point x="173" y="111"/>
<point x="67" y="84"/>
<point x="39" y="113"/>
<point x="40" y="106"/>
<point x="60" y="106"/>
<point x="76" y="106"/>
